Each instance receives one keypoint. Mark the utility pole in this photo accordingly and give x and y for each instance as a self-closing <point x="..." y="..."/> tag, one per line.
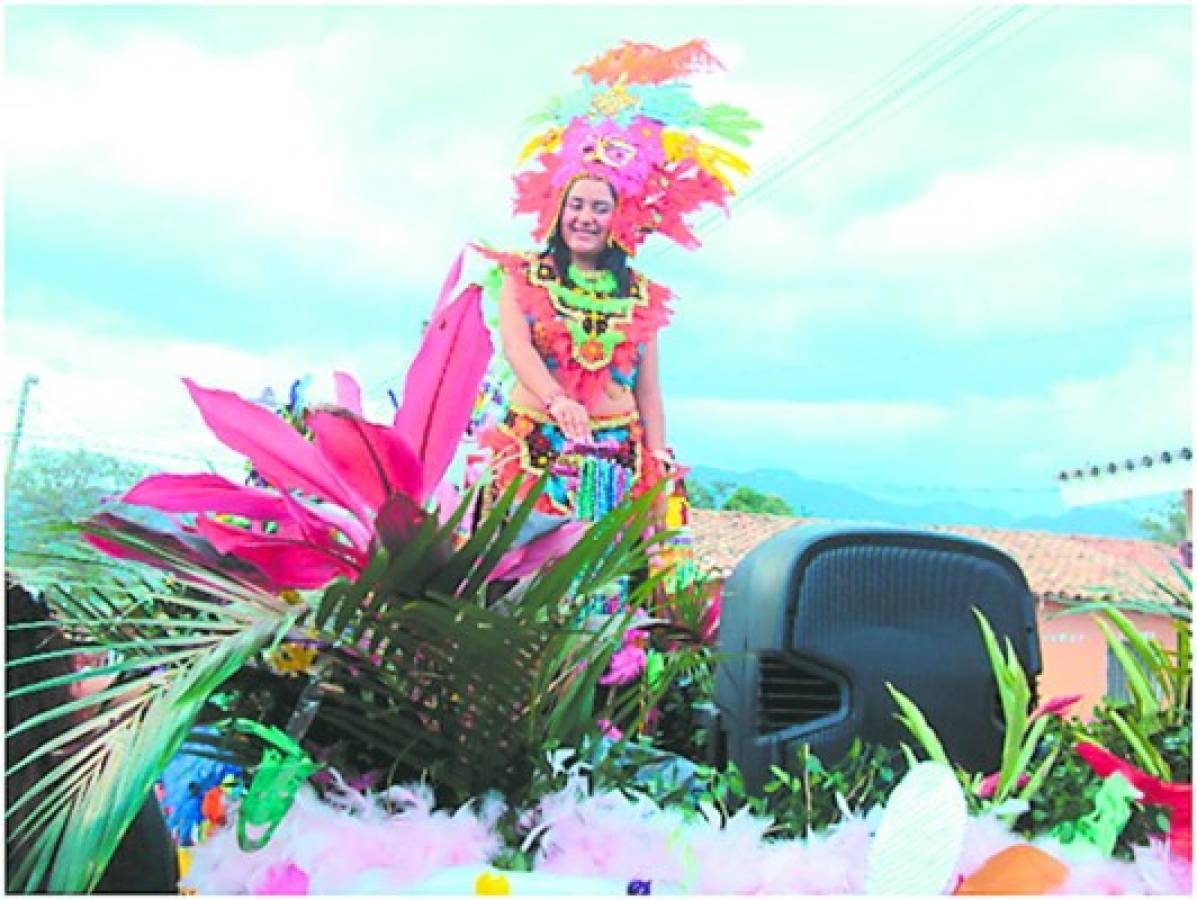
<point x="26" y="386"/>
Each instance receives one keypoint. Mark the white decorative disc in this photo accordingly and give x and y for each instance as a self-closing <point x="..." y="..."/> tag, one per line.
<point x="918" y="843"/>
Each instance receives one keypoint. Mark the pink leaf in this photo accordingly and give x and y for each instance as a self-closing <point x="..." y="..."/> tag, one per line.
<point x="313" y="527"/>
<point x="989" y="784"/>
<point x="442" y="384"/>
<point x="204" y="492"/>
<point x="608" y="730"/>
<point x="530" y="557"/>
<point x="178" y="552"/>
<point x="709" y="628"/>
<point x="398" y="521"/>
<point x="451" y="278"/>
<point x="285" y="561"/>
<point x="277" y="451"/>
<point x="375" y="461"/>
<point x="349" y="394"/>
<point x="447" y="498"/>
<point x="210" y="493"/>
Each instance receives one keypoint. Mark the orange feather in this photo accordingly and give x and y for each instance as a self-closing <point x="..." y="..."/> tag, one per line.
<point x="649" y="64"/>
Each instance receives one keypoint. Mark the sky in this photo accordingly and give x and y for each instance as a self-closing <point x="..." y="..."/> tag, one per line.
<point x="962" y="264"/>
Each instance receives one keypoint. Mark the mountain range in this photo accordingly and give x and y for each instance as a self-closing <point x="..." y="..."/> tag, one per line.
<point x="824" y="500"/>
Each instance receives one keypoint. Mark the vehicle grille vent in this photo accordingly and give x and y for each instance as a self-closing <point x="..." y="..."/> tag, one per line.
<point x="792" y="693"/>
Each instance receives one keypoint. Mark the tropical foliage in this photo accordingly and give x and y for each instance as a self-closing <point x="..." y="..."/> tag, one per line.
<point x="339" y="600"/>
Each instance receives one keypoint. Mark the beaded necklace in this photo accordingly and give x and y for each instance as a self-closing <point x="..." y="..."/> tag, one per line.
<point x="592" y="315"/>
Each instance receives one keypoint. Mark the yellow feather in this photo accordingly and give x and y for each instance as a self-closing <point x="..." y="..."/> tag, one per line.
<point x="710" y="157"/>
<point x="546" y="142"/>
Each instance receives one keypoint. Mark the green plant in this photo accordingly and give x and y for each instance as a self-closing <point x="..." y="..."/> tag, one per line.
<point x="1160" y="680"/>
<point x="1168" y="525"/>
<point x="820" y="795"/>
<point x="1070" y="792"/>
<point x="418" y="668"/>
<point x="1021" y="736"/>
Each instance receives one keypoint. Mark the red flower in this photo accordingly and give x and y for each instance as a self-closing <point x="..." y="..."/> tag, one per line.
<point x="1056" y="706"/>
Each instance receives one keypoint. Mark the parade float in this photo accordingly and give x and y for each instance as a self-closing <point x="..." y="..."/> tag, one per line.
<point x="369" y="700"/>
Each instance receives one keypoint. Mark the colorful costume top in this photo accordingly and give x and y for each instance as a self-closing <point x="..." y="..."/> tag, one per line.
<point x="589" y="338"/>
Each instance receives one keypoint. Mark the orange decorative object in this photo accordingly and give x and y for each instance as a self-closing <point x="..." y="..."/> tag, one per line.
<point x="592" y="351"/>
<point x="1019" y="870"/>
<point x="213" y="807"/>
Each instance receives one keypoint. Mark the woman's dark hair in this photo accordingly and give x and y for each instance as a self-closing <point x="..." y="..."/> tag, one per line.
<point x="614" y="258"/>
<point x="145" y="861"/>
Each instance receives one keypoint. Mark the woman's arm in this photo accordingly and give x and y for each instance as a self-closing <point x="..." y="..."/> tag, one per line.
<point x="531" y="371"/>
<point x="648" y="399"/>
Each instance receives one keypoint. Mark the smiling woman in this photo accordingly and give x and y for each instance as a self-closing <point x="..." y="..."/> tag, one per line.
<point x="578" y="325"/>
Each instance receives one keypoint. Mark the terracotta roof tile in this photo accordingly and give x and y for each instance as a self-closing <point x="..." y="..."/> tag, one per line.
<point x="1057" y="566"/>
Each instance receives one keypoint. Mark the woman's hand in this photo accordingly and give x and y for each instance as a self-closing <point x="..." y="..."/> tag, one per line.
<point x="572" y="417"/>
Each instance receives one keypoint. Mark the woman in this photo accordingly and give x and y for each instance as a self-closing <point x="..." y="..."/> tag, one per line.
<point x="578" y="325"/>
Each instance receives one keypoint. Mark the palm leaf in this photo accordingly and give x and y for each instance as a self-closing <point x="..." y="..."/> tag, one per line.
<point x="67" y="823"/>
<point x="417" y="669"/>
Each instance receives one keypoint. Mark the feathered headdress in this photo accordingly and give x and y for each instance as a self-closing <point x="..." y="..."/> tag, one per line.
<point x="632" y="124"/>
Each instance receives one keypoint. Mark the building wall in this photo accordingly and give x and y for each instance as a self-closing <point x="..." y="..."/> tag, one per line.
<point x="1075" y="656"/>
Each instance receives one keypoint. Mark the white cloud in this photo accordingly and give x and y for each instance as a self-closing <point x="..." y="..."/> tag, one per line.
<point x="810" y="422"/>
<point x="1101" y="195"/>
<point x="1143" y="407"/>
<point x="260" y="138"/>
<point x="1020" y="440"/>
<point x="123" y="394"/>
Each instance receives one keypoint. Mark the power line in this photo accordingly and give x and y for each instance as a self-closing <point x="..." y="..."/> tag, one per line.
<point x="876" y="97"/>
<point x="920" y="93"/>
<point x="830" y="129"/>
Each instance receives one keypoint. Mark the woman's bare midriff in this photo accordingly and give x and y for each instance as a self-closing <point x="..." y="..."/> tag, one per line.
<point x="615" y="401"/>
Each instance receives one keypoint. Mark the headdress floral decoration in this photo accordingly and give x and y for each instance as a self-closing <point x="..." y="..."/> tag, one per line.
<point x="632" y="123"/>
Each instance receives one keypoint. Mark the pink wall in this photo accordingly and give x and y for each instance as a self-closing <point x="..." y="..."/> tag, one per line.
<point x="1074" y="652"/>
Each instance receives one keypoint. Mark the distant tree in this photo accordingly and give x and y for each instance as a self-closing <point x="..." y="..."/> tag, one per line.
<point x="746" y="499"/>
<point x="701" y="496"/>
<point x="1167" y="524"/>
<point x="722" y="489"/>
<point x="51" y="487"/>
<point x="68" y="484"/>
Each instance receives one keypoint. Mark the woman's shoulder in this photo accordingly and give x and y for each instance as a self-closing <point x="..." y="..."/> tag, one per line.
<point x="640" y="284"/>
<point x="513" y="260"/>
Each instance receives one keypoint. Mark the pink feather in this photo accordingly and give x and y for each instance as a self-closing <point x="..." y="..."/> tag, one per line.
<point x="356" y="845"/>
<point x="281" y="880"/>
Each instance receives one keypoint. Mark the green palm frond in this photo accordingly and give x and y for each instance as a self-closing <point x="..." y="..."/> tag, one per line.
<point x="419" y="670"/>
<point x="94" y="775"/>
